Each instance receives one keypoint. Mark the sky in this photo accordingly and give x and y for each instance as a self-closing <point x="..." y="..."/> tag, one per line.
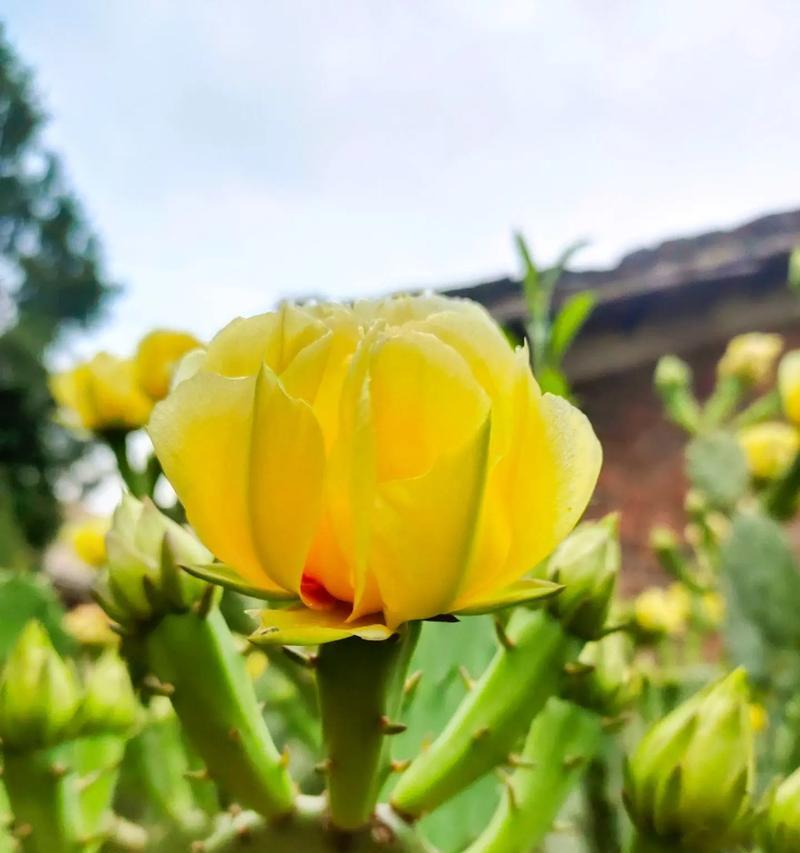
<point x="234" y="154"/>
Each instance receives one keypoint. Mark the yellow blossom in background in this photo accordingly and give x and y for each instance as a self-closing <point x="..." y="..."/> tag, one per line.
<point x="89" y="625"/>
<point x="88" y="540"/>
<point x="751" y="357"/>
<point x="256" y="664"/>
<point x="156" y="358"/>
<point x="663" y="611"/>
<point x="712" y="608"/>
<point x="386" y="461"/>
<point x="102" y="394"/>
<point x="769" y="447"/>
<point x="789" y="385"/>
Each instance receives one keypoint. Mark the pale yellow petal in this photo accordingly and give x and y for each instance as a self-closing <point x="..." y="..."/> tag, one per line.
<point x="789" y="385"/>
<point x="423" y="531"/>
<point x="157" y="356"/>
<point x="286" y="471"/>
<point x="202" y="433"/>
<point x="304" y="627"/>
<point x="425" y="401"/>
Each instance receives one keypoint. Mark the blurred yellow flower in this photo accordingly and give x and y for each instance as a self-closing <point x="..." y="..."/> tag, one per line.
<point x="663" y="611"/>
<point x="751" y="357"/>
<point x="712" y="608"/>
<point x="102" y="394"/>
<point x="256" y="664"/>
<point x="88" y="625"/>
<point x="769" y="447"/>
<point x="390" y="460"/>
<point x="156" y="358"/>
<point x="789" y="385"/>
<point x="88" y="540"/>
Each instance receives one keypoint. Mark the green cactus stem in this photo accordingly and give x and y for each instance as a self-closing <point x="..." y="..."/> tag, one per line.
<point x="309" y="831"/>
<point x="525" y="672"/>
<point x="45" y="803"/>
<point x="194" y="656"/>
<point x="360" y="686"/>
<point x="561" y="742"/>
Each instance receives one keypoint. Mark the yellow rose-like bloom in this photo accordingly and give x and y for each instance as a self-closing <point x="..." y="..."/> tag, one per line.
<point x="769" y="447"/>
<point x="102" y="393"/>
<point x="88" y="540"/>
<point x="394" y="457"/>
<point x="156" y="357"/>
<point x="663" y="611"/>
<point x="751" y="357"/>
<point x="789" y="385"/>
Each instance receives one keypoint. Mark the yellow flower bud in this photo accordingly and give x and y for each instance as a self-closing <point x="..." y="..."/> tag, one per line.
<point x="88" y="540"/>
<point x="394" y="458"/>
<point x="691" y="777"/>
<point x="712" y="609"/>
<point x="663" y="611"/>
<point x="751" y="357"/>
<point x="759" y="719"/>
<point x="102" y="394"/>
<point x="157" y="356"/>
<point x="789" y="385"/>
<point x="769" y="448"/>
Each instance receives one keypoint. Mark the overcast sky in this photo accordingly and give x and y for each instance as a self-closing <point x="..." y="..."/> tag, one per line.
<point x="234" y="153"/>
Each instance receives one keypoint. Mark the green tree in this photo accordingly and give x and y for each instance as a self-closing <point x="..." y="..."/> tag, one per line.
<point x="51" y="280"/>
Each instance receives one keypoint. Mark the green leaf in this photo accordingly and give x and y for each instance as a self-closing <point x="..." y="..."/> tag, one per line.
<point x="553" y="381"/>
<point x="758" y="563"/>
<point x="551" y="276"/>
<point x="717" y="467"/>
<point x="575" y="311"/>
<point x="531" y="281"/>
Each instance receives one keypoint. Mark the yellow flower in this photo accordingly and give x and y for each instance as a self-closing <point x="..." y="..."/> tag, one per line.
<point x="769" y="447"/>
<point x="102" y="394"/>
<point x="759" y="719"/>
<point x="712" y="608"/>
<point x="390" y="460"/>
<point x="88" y="540"/>
<point x="663" y="611"/>
<point x="156" y="358"/>
<point x="751" y="357"/>
<point x="789" y="385"/>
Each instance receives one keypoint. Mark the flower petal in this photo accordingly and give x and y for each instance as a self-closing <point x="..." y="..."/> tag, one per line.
<point x="524" y="591"/>
<point x="202" y="433"/>
<point x="304" y="627"/>
<point x="423" y="531"/>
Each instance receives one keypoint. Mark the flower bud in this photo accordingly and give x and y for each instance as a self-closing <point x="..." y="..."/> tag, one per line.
<point x="109" y="703"/>
<point x="587" y="564"/>
<point x="672" y="374"/>
<point x="658" y="611"/>
<point x="690" y="779"/>
<point x="89" y="626"/>
<point x="610" y="683"/>
<point x="769" y="447"/>
<point x="145" y="551"/>
<point x="750" y="358"/>
<point x="780" y="831"/>
<point x="39" y="693"/>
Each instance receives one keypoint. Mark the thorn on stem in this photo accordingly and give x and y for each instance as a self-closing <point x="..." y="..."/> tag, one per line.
<point x="201" y="775"/>
<point x="300" y="658"/>
<point x="57" y="770"/>
<point x="283" y="761"/>
<point x="391" y="728"/>
<point x="505" y="641"/>
<point x="399" y="765"/>
<point x="411" y="683"/>
<point x="576" y="668"/>
<point x="234" y="735"/>
<point x="469" y="681"/>
<point x="323" y="767"/>
<point x="520" y="761"/>
<point x="572" y="762"/>
<point x="481" y="733"/>
<point x="203" y="606"/>
<point x="153" y="684"/>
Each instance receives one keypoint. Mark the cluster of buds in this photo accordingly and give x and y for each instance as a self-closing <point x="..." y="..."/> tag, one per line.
<point x="689" y="782"/>
<point x="43" y="701"/>
<point x="143" y="579"/>
<point x="780" y="829"/>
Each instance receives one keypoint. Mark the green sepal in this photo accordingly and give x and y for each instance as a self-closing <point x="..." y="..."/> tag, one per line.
<point x="527" y="591"/>
<point x="227" y="577"/>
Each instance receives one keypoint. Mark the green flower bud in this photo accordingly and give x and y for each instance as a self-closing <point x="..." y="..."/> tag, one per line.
<point x="109" y="703"/>
<point x="39" y="693"/>
<point x="781" y="827"/>
<point x="143" y="579"/>
<point x="610" y="683"/>
<point x="690" y="779"/>
<point x="587" y="564"/>
<point x="672" y="374"/>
